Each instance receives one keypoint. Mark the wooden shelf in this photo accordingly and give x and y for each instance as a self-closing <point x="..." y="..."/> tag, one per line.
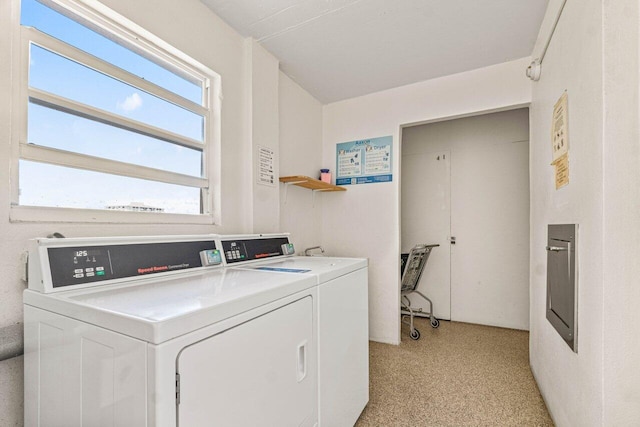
<point x="310" y="183"/>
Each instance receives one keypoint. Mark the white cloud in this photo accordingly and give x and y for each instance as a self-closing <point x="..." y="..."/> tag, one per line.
<point x="132" y="102"/>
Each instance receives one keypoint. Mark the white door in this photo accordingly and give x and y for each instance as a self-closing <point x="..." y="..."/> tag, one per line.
<point x="426" y="218"/>
<point x="487" y="176"/>
<point x="490" y="219"/>
<point x="262" y="372"/>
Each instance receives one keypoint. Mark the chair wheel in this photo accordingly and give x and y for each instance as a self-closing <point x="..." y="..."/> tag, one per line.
<point x="415" y="334"/>
<point x="435" y="322"/>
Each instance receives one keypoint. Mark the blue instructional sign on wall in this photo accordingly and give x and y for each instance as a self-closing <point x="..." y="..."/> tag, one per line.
<point x="364" y="162"/>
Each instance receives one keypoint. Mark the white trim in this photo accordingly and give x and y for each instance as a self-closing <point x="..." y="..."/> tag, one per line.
<point x="19" y="102"/>
<point x="110" y="24"/>
<point x="465" y="115"/>
<point x="81" y="57"/>
<point x="59" y="103"/>
<point x="51" y="214"/>
<point x="119" y="29"/>
<point x="212" y="156"/>
<point x="54" y="156"/>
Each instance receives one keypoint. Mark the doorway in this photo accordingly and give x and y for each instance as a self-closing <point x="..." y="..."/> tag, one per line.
<point x="465" y="187"/>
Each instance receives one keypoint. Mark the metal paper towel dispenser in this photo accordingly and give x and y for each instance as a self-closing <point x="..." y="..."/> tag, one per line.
<point x="562" y="281"/>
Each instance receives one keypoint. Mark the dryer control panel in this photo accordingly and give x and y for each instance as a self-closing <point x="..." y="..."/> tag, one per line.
<point x="254" y="248"/>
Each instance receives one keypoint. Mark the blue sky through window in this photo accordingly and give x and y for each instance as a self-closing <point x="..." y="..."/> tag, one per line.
<point x="84" y="136"/>
<point x="56" y="74"/>
<point x="34" y="14"/>
<point x="50" y="185"/>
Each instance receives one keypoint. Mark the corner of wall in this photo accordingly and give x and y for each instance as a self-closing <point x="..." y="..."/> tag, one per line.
<point x="300" y="154"/>
<point x="571" y="383"/>
<point x="261" y="97"/>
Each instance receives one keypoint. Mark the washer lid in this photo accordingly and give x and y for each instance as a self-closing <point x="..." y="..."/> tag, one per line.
<point x="324" y="268"/>
<point x="156" y="310"/>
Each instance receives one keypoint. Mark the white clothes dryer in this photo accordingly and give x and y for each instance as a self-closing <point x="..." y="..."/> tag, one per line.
<point x="142" y="331"/>
<point x="343" y="321"/>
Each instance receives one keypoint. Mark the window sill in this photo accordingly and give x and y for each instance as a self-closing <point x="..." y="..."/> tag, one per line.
<point x="70" y="215"/>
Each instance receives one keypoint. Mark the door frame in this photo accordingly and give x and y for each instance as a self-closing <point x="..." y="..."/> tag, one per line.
<point x="401" y="127"/>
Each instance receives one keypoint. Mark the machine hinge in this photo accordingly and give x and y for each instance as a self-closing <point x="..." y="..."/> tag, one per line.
<point x="24" y="259"/>
<point x="177" y="388"/>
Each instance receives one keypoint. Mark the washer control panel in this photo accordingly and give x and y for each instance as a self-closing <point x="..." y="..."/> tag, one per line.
<point x="74" y="265"/>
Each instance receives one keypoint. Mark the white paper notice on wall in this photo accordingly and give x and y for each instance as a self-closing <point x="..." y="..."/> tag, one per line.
<point x="560" y="128"/>
<point x="265" y="162"/>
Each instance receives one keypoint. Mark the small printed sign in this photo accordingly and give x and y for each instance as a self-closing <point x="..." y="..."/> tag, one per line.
<point x="560" y="128"/>
<point x="561" y="166"/>
<point x="560" y="140"/>
<point x="364" y="161"/>
<point x="265" y="161"/>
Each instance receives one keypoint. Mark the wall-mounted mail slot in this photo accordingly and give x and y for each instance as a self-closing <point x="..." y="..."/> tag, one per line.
<point x="562" y="281"/>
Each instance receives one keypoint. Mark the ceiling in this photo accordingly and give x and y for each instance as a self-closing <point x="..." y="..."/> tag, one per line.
<point x="339" y="49"/>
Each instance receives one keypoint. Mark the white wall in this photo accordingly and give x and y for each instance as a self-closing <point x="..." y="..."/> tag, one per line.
<point x="365" y="220"/>
<point x="571" y="383"/>
<point x="264" y="133"/>
<point x="594" y="55"/>
<point x="621" y="245"/>
<point x="300" y="154"/>
<point x="489" y="155"/>
<point x="193" y="28"/>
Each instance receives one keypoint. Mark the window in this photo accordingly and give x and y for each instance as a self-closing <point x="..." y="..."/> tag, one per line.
<point x="118" y="125"/>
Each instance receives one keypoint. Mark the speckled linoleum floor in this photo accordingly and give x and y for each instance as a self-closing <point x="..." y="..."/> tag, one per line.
<point x="457" y="375"/>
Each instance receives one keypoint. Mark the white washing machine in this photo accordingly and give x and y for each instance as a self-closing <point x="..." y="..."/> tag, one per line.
<point x="154" y="332"/>
<point x="343" y="321"/>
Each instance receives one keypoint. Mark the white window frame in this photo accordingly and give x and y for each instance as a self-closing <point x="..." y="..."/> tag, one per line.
<point x="112" y="25"/>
